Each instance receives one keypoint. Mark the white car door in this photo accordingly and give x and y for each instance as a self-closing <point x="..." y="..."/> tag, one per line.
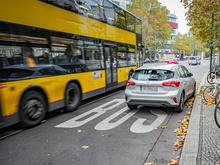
<point x="185" y="81"/>
<point x="190" y="80"/>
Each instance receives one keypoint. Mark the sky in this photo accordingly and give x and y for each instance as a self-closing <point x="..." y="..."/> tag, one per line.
<point x="175" y="6"/>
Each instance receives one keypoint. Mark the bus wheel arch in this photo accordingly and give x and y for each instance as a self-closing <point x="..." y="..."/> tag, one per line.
<point x="33" y="106"/>
<point x="72" y="95"/>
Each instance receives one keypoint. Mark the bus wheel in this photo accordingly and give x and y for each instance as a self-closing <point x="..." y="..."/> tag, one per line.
<point x="32" y="109"/>
<point x="72" y="97"/>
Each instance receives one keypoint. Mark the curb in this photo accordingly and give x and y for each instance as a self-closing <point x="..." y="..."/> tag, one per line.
<point x="191" y="145"/>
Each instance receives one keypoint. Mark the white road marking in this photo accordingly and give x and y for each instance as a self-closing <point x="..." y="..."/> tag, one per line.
<point x="106" y="124"/>
<point x="96" y="112"/>
<point x="139" y="127"/>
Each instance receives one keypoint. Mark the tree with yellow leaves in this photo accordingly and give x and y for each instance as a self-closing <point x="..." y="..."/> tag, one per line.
<point x="204" y="18"/>
<point x="155" y="28"/>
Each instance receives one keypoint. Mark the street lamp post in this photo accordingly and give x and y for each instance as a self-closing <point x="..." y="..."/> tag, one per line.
<point x="212" y="43"/>
<point x="211" y="52"/>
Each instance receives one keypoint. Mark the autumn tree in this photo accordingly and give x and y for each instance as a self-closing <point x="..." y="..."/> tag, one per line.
<point x="188" y="44"/>
<point x="155" y="28"/>
<point x="204" y="18"/>
<point x="181" y="43"/>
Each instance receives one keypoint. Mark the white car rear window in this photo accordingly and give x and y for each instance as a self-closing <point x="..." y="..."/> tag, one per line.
<point x="153" y="75"/>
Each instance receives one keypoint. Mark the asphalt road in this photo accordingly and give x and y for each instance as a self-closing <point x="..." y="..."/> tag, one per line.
<point x="102" y="132"/>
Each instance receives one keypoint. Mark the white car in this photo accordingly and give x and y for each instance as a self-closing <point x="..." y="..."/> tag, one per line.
<point x="194" y="60"/>
<point x="160" y="86"/>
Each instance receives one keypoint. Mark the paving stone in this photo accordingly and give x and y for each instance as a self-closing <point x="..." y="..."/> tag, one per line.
<point x="209" y="148"/>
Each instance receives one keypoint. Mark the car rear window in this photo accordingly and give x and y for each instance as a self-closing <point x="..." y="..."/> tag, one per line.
<point x="15" y="73"/>
<point x="153" y="75"/>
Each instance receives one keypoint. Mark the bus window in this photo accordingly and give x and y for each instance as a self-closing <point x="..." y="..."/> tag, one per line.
<point x="66" y="4"/>
<point x="68" y="53"/>
<point x="91" y="8"/>
<point x="130" y="22"/>
<point x="42" y="55"/>
<point x="120" y="18"/>
<point x="28" y="55"/>
<point x="109" y="12"/>
<point x="131" y="55"/>
<point x="138" y="26"/>
<point x="122" y="59"/>
<point x="10" y="55"/>
<point x="131" y="59"/>
<point x="93" y="57"/>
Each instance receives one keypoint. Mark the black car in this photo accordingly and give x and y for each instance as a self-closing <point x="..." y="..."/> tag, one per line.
<point x="15" y="72"/>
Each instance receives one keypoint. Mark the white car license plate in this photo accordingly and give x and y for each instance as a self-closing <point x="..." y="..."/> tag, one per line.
<point x="149" y="89"/>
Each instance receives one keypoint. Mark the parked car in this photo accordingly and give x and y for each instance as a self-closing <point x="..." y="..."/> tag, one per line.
<point x="194" y="60"/>
<point x="172" y="61"/>
<point x="147" y="60"/>
<point x="160" y="86"/>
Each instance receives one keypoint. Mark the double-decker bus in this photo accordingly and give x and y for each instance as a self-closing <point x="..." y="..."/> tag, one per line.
<point x="40" y="40"/>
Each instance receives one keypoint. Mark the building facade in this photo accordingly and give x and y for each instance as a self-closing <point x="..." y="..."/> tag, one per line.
<point x="168" y="52"/>
<point x="173" y="22"/>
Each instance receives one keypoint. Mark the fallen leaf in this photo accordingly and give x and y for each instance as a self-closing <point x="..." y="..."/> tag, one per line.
<point x="149" y="163"/>
<point x="188" y="113"/>
<point x="85" y="147"/>
<point x="173" y="162"/>
<point x="178" y="144"/>
<point x="164" y="126"/>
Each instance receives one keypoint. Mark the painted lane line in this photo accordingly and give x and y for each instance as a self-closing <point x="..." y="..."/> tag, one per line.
<point x="139" y="127"/>
<point x="106" y="124"/>
<point x="94" y="113"/>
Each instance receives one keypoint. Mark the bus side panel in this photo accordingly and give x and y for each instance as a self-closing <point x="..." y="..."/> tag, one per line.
<point x="53" y="86"/>
<point x="46" y="16"/>
<point x="123" y="73"/>
<point x="89" y="81"/>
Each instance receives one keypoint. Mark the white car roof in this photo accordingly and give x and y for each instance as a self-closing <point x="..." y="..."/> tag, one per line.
<point x="158" y="66"/>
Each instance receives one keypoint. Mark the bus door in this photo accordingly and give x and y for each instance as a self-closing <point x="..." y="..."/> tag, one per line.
<point x="110" y="66"/>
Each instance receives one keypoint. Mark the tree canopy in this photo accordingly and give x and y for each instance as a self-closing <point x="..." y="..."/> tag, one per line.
<point x="204" y="18"/>
<point x="155" y="28"/>
<point x="187" y="44"/>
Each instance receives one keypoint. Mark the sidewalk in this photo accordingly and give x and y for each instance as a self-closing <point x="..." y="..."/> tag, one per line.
<point x="209" y="144"/>
<point x="202" y="143"/>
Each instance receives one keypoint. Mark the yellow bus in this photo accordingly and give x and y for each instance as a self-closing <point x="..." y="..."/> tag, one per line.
<point x="55" y="53"/>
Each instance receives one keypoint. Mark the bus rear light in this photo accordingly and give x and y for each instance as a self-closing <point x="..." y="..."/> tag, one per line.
<point x="130" y="83"/>
<point x="2" y="86"/>
<point x="171" y="83"/>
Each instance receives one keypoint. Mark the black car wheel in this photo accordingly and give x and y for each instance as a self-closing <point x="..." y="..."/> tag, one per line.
<point x="32" y="109"/>
<point x="131" y="107"/>
<point x="181" y="104"/>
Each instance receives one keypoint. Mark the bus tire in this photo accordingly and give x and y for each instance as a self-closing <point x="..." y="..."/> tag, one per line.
<point x="32" y="109"/>
<point x="72" y="97"/>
